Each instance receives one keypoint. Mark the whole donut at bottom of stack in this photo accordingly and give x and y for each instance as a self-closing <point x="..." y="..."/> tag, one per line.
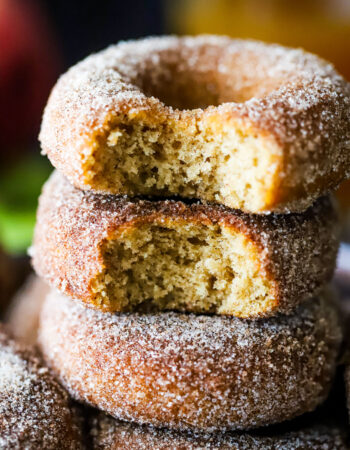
<point x="198" y="372"/>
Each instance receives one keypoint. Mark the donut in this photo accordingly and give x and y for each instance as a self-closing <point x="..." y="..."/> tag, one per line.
<point x="35" y="411"/>
<point x="23" y="313"/>
<point x="253" y="126"/>
<point x="111" y="434"/>
<point x="117" y="254"/>
<point x="186" y="371"/>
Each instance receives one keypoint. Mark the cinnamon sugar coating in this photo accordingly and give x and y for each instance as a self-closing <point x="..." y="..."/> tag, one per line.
<point x="109" y="251"/>
<point x="35" y="411"/>
<point x="193" y="372"/>
<point x="254" y="126"/>
<point x="111" y="434"/>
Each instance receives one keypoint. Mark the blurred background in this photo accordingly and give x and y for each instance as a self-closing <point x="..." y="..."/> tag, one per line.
<point x="39" y="39"/>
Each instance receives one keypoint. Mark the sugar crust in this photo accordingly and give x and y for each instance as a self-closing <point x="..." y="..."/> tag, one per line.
<point x="297" y="252"/>
<point x="294" y="101"/>
<point x="193" y="371"/>
<point x="109" y="433"/>
<point x="35" y="411"/>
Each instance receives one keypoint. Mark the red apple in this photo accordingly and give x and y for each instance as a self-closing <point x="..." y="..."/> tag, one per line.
<point x="29" y="65"/>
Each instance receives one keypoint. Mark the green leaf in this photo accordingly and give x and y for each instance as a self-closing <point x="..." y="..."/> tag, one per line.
<point x="20" y="186"/>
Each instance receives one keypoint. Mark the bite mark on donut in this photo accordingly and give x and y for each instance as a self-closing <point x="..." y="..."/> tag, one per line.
<point x="184" y="266"/>
<point x="81" y="237"/>
<point x="222" y="163"/>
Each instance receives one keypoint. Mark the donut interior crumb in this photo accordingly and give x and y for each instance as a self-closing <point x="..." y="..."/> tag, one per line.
<point x="236" y="168"/>
<point x="183" y="267"/>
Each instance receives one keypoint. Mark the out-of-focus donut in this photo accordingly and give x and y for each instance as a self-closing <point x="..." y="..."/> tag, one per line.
<point x="111" y="434"/>
<point x="23" y="313"/>
<point x="35" y="411"/>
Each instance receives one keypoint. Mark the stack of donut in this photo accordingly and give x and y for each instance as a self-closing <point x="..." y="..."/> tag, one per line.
<point x="189" y="235"/>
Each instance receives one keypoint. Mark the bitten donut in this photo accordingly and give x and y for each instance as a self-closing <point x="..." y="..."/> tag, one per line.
<point x="35" y="411"/>
<point x="23" y="313"/>
<point x="117" y="254"/>
<point x="108" y="433"/>
<point x="253" y="126"/>
<point x="187" y="371"/>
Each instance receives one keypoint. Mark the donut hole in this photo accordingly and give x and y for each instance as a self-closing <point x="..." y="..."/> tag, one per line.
<point x="191" y="78"/>
<point x="193" y="90"/>
<point x="189" y="88"/>
<point x="181" y="91"/>
<point x="185" y="267"/>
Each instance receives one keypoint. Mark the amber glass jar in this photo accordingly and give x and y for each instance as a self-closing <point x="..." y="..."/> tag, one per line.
<point x="320" y="26"/>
